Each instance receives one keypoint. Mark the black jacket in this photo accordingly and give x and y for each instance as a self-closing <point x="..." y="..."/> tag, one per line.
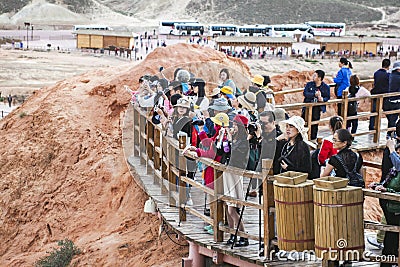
<point x="239" y="154"/>
<point x="381" y="82"/>
<point x="297" y="158"/>
<point x="349" y="157"/>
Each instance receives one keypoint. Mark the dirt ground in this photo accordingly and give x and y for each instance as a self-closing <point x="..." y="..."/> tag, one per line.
<point x="26" y="71"/>
<point x="63" y="170"/>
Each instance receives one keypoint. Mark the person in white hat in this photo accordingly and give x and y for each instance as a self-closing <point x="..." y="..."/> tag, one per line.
<point x="295" y="153"/>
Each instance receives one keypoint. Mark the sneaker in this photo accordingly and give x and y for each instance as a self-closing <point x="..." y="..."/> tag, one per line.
<point x="243" y="242"/>
<point x="211" y="231"/>
<point x="189" y="202"/>
<point x="372" y="241"/>
<point x="208" y="227"/>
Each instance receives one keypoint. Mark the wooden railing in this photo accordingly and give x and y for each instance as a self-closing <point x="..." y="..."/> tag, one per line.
<point x="163" y="157"/>
<point x="378" y="114"/>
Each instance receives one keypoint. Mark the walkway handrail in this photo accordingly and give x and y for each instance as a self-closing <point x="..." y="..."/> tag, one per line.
<point x="299" y="90"/>
<point x="163" y="158"/>
<point x="379" y="98"/>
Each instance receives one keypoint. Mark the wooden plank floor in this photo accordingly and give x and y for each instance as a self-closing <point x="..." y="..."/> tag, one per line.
<point x="193" y="228"/>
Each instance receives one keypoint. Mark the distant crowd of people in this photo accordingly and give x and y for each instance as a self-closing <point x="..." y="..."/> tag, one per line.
<point x="241" y="126"/>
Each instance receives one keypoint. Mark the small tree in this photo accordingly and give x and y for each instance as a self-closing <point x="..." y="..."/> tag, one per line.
<point x="59" y="257"/>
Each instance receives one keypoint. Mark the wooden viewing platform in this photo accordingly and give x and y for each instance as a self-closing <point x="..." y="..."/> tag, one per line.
<point x="158" y="164"/>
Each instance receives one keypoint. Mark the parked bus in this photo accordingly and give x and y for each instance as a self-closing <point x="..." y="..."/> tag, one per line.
<point x="252" y="30"/>
<point x="222" y="29"/>
<point x="327" y="29"/>
<point x="91" y="27"/>
<point x="289" y="30"/>
<point x="188" y="29"/>
<point x="168" y="26"/>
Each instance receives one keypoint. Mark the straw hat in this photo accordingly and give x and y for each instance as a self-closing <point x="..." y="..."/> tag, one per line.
<point x="298" y="123"/>
<point x="258" y="79"/>
<point x="183" y="102"/>
<point x="221" y="119"/>
<point x="220" y="104"/>
<point x="214" y="92"/>
<point x="280" y="114"/>
<point x="248" y="101"/>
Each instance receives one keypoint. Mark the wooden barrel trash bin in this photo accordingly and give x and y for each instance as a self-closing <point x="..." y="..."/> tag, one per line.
<point x="294" y="211"/>
<point x="338" y="218"/>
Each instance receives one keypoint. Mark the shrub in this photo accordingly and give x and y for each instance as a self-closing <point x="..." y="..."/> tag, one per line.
<point x="59" y="257"/>
<point x="22" y="114"/>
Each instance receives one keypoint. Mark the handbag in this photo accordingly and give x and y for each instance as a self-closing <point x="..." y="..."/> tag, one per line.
<point x="393" y="182"/>
<point x="355" y="178"/>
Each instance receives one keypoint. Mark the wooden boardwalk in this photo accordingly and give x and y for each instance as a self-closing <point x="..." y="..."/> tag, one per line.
<point x="363" y="142"/>
<point x="192" y="228"/>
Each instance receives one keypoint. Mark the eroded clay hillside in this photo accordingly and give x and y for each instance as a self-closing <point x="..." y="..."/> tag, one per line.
<point x="63" y="171"/>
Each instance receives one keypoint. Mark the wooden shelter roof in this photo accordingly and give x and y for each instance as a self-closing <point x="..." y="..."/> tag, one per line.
<point x="107" y="33"/>
<point x="352" y="39"/>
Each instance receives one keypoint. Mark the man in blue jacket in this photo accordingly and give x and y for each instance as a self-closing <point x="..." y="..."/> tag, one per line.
<point x="394" y="101"/>
<point x="381" y="86"/>
<point x="316" y="91"/>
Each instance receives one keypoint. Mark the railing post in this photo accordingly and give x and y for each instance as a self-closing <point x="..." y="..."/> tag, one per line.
<point x="171" y="175"/>
<point x="149" y="146"/>
<point x="378" y="119"/>
<point x="308" y="117"/>
<point x="268" y="202"/>
<point x="142" y="141"/>
<point x="345" y="104"/>
<point x="218" y="205"/>
<point x="182" y="185"/>
<point x="136" y="133"/>
<point x="164" y="165"/>
<point x="156" y="152"/>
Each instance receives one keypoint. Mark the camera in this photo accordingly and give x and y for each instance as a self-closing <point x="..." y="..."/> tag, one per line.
<point x="252" y="128"/>
<point x="198" y="122"/>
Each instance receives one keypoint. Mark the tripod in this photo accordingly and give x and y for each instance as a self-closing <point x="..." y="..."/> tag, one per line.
<point x="241" y="216"/>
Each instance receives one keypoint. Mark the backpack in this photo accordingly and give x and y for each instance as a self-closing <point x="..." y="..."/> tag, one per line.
<point x="352" y="105"/>
<point x="355" y="178"/>
<point x="352" y="108"/>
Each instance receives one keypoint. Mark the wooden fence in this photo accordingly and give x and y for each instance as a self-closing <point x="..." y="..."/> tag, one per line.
<point x="163" y="158"/>
<point x="378" y="114"/>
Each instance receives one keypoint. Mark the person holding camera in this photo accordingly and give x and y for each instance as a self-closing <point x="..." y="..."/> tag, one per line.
<point x="295" y="153"/>
<point x="233" y="183"/>
<point x="269" y="145"/>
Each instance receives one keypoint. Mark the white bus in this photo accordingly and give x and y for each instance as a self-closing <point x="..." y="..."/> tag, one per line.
<point x="188" y="29"/>
<point x="168" y="26"/>
<point x="327" y="29"/>
<point x="252" y="30"/>
<point x="289" y="30"/>
<point x="222" y="29"/>
<point x="91" y="27"/>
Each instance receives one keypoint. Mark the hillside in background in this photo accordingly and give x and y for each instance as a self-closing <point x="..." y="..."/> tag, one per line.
<point x="143" y="12"/>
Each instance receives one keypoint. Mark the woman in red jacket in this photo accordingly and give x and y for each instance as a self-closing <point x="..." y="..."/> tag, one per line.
<point x="327" y="150"/>
<point x="320" y="156"/>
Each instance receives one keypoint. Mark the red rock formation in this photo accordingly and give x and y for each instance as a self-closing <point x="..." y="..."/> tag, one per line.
<point x="64" y="175"/>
